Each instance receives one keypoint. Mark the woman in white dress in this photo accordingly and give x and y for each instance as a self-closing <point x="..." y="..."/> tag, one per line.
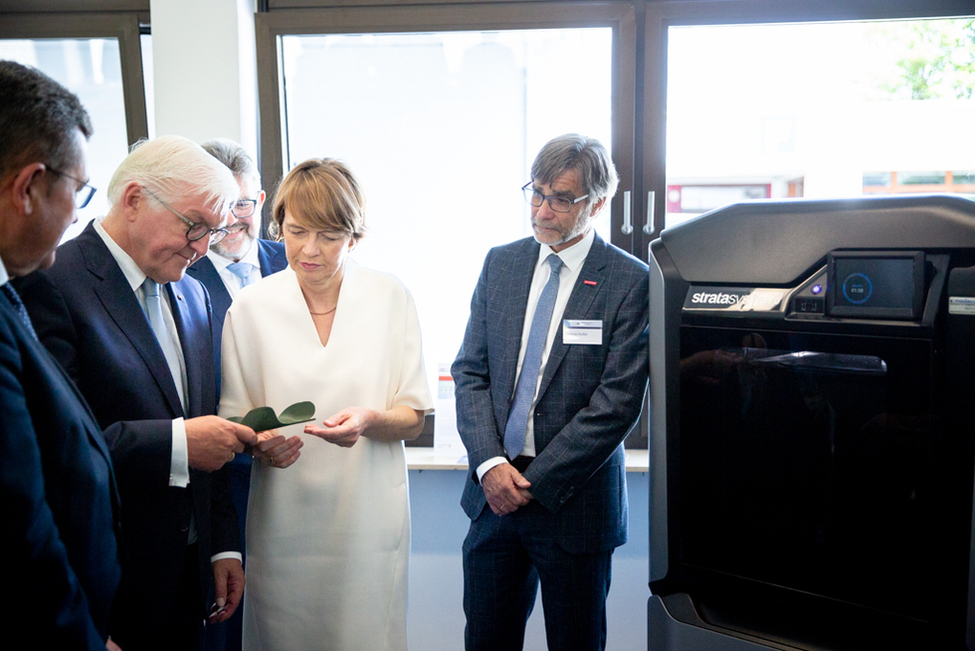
<point x="328" y="534"/>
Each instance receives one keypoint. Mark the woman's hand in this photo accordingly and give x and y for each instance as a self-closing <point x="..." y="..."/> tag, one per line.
<point x="272" y="449"/>
<point x="344" y="428"/>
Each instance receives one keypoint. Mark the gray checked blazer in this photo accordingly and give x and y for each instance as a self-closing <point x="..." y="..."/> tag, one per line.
<point x="590" y="396"/>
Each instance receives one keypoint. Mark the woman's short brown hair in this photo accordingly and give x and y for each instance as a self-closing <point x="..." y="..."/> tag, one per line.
<point x="320" y="193"/>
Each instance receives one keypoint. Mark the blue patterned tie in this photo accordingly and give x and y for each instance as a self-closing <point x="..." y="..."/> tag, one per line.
<point x="514" y="431"/>
<point x="244" y="271"/>
<point x="18" y="305"/>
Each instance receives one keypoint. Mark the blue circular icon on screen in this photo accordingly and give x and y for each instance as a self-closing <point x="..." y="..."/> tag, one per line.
<point x="857" y="288"/>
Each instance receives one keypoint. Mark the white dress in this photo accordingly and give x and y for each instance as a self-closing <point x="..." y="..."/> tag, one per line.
<point x="328" y="539"/>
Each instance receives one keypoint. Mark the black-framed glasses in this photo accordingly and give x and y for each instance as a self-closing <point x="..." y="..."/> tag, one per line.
<point x="197" y="230"/>
<point x="83" y="195"/>
<point x="555" y="202"/>
<point x="244" y="207"/>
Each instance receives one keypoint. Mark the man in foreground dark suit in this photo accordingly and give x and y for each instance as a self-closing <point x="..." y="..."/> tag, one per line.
<point x="57" y="487"/>
<point x="117" y="312"/>
<point x="549" y="380"/>
<point x="239" y="259"/>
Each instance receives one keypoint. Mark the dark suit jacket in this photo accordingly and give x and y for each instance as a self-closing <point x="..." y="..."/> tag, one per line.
<point x="58" y="538"/>
<point x="589" y="398"/>
<point x="272" y="259"/>
<point x="87" y="315"/>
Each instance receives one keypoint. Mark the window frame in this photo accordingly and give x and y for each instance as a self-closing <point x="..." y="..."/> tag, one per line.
<point x="660" y="16"/>
<point x="121" y="26"/>
<point x="621" y="17"/>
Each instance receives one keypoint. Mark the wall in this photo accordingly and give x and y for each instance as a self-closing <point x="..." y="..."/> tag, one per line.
<point x="205" y="70"/>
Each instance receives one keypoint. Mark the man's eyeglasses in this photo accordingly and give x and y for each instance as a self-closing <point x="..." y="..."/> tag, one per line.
<point x="83" y="194"/>
<point x="555" y="202"/>
<point x="196" y="230"/>
<point x="244" y="207"/>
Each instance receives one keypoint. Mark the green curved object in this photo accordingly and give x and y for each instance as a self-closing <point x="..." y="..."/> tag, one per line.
<point x="262" y="419"/>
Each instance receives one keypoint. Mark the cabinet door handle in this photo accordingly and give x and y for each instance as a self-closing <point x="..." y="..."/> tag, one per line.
<point x="627" y="218"/>
<point x="648" y="226"/>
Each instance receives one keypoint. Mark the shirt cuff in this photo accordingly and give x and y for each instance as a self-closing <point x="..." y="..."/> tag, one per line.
<point x="223" y="555"/>
<point x="487" y="465"/>
<point x="179" y="464"/>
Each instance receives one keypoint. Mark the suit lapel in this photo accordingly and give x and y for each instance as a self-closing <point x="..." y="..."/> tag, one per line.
<point x="58" y="376"/>
<point x="271" y="259"/>
<point x="123" y="308"/>
<point x="204" y="271"/>
<point x="93" y="431"/>
<point x="193" y="328"/>
<point x="514" y="283"/>
<point x="53" y="369"/>
<point x="590" y="282"/>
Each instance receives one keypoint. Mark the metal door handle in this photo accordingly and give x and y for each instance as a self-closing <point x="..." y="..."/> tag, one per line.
<point x="627" y="219"/>
<point x="648" y="226"/>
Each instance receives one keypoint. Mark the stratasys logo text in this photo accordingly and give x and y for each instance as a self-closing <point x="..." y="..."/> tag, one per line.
<point x="717" y="298"/>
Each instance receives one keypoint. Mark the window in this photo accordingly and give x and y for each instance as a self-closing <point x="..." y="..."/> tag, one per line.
<point x="441" y="128"/>
<point x="90" y="69"/>
<point x="921" y="178"/>
<point x="884" y="96"/>
<point x="877" y="179"/>
<point x="98" y="57"/>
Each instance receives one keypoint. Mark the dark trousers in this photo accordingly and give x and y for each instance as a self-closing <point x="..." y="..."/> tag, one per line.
<point x="505" y="560"/>
<point x="227" y="636"/>
<point x="183" y="622"/>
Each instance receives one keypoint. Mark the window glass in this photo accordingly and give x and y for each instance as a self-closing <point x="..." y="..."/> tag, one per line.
<point x="91" y="69"/>
<point x="441" y="129"/>
<point x="149" y="81"/>
<point x="819" y="110"/>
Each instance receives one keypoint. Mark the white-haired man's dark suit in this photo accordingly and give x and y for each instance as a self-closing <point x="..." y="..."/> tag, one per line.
<point x="87" y="315"/>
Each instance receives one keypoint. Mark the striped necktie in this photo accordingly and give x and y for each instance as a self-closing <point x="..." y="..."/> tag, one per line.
<point x="18" y="305"/>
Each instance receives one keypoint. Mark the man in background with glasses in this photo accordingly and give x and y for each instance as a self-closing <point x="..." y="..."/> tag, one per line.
<point x="549" y="380"/>
<point x="238" y="260"/>
<point x="57" y="485"/>
<point x="135" y="334"/>
<point x="241" y="258"/>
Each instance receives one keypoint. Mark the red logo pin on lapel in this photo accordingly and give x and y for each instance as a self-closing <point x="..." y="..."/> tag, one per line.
<point x="589" y="282"/>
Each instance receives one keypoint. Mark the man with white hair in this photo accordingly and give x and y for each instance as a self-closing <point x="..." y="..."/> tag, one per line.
<point x="135" y="335"/>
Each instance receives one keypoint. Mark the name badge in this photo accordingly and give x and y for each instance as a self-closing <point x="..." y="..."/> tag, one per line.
<point x="588" y="333"/>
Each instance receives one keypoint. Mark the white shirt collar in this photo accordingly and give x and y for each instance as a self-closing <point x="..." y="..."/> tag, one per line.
<point x="133" y="274"/>
<point x="220" y="262"/>
<point x="4" y="276"/>
<point x="572" y="257"/>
